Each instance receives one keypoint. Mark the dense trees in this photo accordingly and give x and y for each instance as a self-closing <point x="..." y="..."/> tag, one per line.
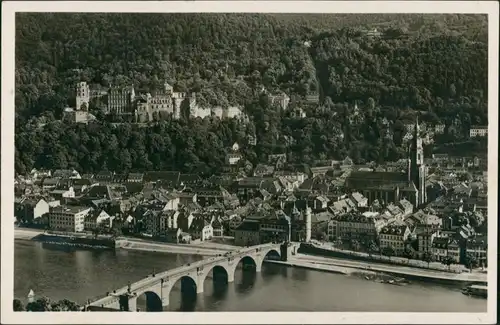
<point x="438" y="67"/>
<point x="45" y="304"/>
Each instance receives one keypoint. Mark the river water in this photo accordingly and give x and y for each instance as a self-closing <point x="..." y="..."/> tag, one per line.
<point x="60" y="273"/>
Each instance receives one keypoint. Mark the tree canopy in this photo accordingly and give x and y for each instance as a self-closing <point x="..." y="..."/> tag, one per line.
<point x="421" y="63"/>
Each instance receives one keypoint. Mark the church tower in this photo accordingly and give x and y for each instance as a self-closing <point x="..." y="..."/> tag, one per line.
<point x="418" y="169"/>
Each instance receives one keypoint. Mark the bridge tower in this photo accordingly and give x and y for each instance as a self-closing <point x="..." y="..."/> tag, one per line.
<point x="308" y="224"/>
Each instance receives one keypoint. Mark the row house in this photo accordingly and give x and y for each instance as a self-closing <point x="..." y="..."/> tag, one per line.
<point x="158" y="222"/>
<point x="425" y="236"/>
<point x="395" y="236"/>
<point x="443" y="247"/>
<point x="364" y="226"/>
<point x="478" y="247"/>
<point x="98" y="219"/>
<point x="209" y="195"/>
<point x="169" y="179"/>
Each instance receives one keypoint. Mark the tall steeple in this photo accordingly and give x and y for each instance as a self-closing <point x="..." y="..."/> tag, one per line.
<point x="417" y="167"/>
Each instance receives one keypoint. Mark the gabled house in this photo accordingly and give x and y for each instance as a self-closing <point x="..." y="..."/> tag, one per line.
<point x="66" y="173"/>
<point x="246" y="188"/>
<point x="200" y="229"/>
<point x="40" y="173"/>
<point x="273" y="186"/>
<point x="167" y="178"/>
<point x="360" y="200"/>
<point x="262" y="170"/>
<point x="104" y="177"/>
<point x="98" y="219"/>
<point x="81" y="185"/>
<point x="218" y="229"/>
<point x="406" y="207"/>
<point x="189" y="180"/>
<point x="30" y="210"/>
<point x="49" y="183"/>
<point x="395" y="236"/>
<point x="135" y="178"/>
<point x="184" y="220"/>
<point x="60" y="194"/>
<point x="120" y="178"/>
<point x="318" y="202"/>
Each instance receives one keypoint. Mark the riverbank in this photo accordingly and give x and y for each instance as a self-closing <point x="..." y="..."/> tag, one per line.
<point x="314" y="266"/>
<point x="407" y="272"/>
<point x="26" y="234"/>
<point x="326" y="292"/>
<point x="139" y="245"/>
<point x="127" y="243"/>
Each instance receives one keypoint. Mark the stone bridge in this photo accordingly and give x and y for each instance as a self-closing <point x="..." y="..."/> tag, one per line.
<point x="157" y="287"/>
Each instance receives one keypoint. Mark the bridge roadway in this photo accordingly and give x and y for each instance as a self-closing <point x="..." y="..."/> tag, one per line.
<point x="157" y="287"/>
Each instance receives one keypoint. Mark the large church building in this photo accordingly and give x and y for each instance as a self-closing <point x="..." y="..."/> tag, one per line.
<point x="394" y="186"/>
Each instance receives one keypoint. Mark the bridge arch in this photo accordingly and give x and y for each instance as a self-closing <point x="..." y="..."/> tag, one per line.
<point x="271" y="253"/>
<point x="220" y="273"/>
<point x="189" y="287"/>
<point x="248" y="261"/>
<point x="153" y="301"/>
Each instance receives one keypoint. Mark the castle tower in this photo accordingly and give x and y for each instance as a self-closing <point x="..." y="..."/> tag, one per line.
<point x="82" y="96"/>
<point x="168" y="88"/>
<point x="418" y="169"/>
<point x="308" y="224"/>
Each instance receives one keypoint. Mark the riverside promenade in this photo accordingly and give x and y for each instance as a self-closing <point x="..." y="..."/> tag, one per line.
<point x="131" y="243"/>
<point x="154" y="246"/>
<point x="347" y="266"/>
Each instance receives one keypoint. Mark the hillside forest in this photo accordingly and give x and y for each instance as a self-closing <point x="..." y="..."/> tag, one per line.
<point x="433" y="66"/>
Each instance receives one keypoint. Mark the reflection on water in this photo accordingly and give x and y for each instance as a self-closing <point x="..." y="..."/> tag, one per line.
<point x="59" y="273"/>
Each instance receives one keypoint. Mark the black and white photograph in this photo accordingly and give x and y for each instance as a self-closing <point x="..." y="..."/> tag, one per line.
<point x="195" y="158"/>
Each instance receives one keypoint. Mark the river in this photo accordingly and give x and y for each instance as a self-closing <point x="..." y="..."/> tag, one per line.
<point x="60" y="273"/>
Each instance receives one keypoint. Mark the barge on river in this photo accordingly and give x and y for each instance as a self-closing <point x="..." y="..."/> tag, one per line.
<point x="476" y="290"/>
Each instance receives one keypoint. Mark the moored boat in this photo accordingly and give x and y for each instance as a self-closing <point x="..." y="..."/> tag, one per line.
<point x="476" y="290"/>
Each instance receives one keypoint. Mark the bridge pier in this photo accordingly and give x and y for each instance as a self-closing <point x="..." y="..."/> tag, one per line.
<point x="165" y="301"/>
<point x="132" y="304"/>
<point x="230" y="275"/>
